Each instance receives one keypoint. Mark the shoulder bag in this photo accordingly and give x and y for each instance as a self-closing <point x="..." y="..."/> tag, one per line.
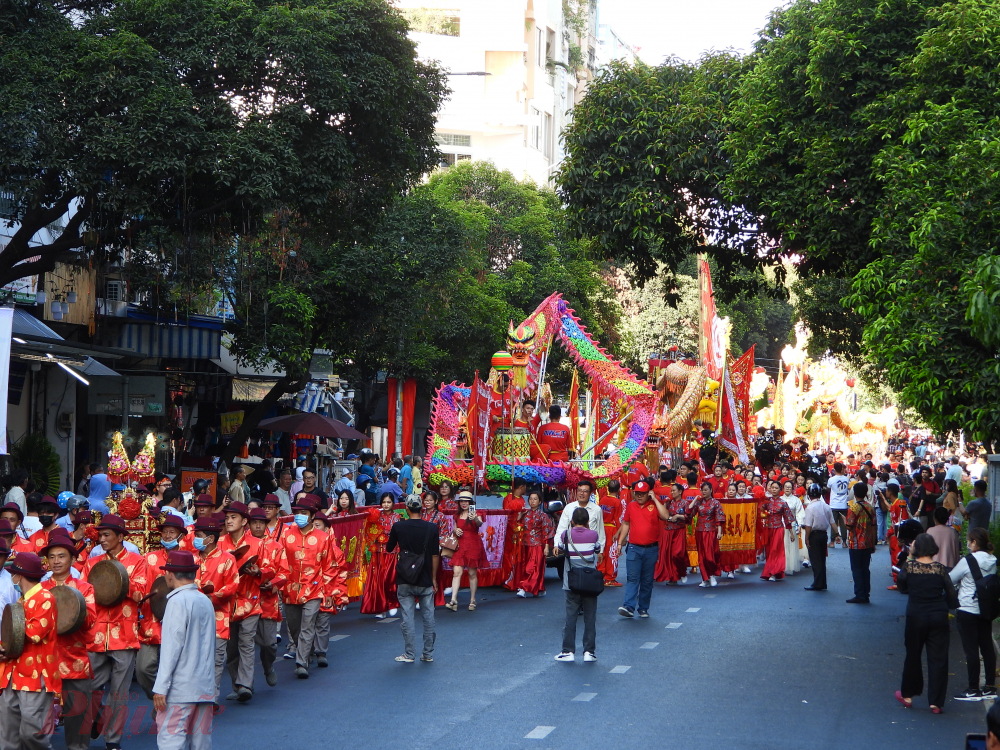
<point x="583" y="580"/>
<point x="410" y="565"/>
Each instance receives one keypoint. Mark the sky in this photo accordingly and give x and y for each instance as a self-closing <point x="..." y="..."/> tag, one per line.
<point x="686" y="28"/>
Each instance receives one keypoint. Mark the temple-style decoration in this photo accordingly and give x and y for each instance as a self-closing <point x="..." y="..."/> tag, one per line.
<point x="499" y="448"/>
<point x="134" y="505"/>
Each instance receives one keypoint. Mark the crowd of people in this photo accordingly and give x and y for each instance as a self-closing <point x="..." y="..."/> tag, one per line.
<point x="259" y="552"/>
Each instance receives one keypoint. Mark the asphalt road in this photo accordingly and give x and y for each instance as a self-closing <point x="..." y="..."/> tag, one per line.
<point x="749" y="664"/>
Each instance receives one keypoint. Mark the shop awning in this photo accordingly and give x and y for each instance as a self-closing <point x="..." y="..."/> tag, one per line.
<point x="32" y="340"/>
<point x="154" y="340"/>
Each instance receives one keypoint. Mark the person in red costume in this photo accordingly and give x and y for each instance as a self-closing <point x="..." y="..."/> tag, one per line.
<point x="379" y="596"/>
<point x="526" y="417"/>
<point x="778" y="522"/>
<point x="471" y="554"/>
<point x="711" y="519"/>
<point x="673" y="563"/>
<point x="514" y="502"/>
<point x="719" y="482"/>
<point x="447" y="502"/>
<point x="432" y="514"/>
<point x="556" y="436"/>
<point x="613" y="509"/>
<point x="536" y="543"/>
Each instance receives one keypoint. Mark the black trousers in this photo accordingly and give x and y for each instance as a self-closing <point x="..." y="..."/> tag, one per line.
<point x="817" y="557"/>
<point x="574" y="602"/>
<point x="977" y="639"/>
<point x="861" y="561"/>
<point x="930" y="630"/>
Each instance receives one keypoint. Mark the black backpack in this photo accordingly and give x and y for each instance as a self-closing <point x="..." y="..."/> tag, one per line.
<point x="410" y="565"/>
<point x="987" y="590"/>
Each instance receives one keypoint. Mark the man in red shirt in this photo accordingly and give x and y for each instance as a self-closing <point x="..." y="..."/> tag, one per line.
<point x="556" y="435"/>
<point x="641" y="528"/>
<point x="719" y="482"/>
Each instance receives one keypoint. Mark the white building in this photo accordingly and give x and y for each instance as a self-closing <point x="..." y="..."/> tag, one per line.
<point x="610" y="46"/>
<point x="517" y="68"/>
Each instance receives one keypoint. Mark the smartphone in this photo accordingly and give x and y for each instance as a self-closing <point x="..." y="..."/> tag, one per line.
<point x="472" y="509"/>
<point x="975" y="742"/>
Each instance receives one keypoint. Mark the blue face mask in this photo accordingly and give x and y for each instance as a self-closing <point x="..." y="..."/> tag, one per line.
<point x="172" y="544"/>
<point x="301" y="520"/>
<point x="199" y="543"/>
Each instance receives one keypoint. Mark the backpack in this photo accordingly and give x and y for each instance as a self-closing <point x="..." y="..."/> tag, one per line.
<point x="410" y="565"/>
<point x="987" y="590"/>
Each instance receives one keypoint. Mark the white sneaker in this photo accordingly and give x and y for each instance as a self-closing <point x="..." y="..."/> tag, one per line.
<point x="731" y="574"/>
<point x="418" y="606"/>
<point x="772" y="578"/>
<point x="684" y="579"/>
<point x="587" y="656"/>
<point x="522" y="593"/>
<point x="540" y="593"/>
<point x="712" y="581"/>
<point x="392" y="612"/>
<point x="447" y="591"/>
<point x="745" y="569"/>
<point x="565" y="656"/>
<point x="380" y="616"/>
<point x="703" y="585"/>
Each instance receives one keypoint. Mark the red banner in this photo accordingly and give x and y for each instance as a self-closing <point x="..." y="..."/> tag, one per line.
<point x="710" y="347"/>
<point x="734" y="405"/>
<point x="574" y="413"/>
<point x="348" y="533"/>
<point x="478" y="425"/>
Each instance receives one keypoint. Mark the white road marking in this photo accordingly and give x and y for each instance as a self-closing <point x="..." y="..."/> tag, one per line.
<point x="649" y="645"/>
<point x="585" y="697"/>
<point x="674" y="625"/>
<point x="338" y="637"/>
<point x="538" y="733"/>
<point x="693" y="609"/>
<point x="390" y="619"/>
<point x="710" y="596"/>
<point x="620" y="669"/>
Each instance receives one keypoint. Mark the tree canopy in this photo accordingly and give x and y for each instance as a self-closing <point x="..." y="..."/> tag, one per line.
<point x="859" y="142"/>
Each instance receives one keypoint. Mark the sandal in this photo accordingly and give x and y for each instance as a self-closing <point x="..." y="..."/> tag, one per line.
<point x="472" y="606"/>
<point x="452" y="605"/>
<point x="907" y="702"/>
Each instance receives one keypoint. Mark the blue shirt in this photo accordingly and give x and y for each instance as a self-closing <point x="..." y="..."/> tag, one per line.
<point x="406" y="479"/>
<point x="8" y="594"/>
<point x="186" y="673"/>
<point x="390" y="486"/>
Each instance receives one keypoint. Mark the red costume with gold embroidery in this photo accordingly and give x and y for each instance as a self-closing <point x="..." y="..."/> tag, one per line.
<point x="776" y="519"/>
<point x="445" y="524"/>
<point x="117" y="627"/>
<point x="512" y="559"/>
<point x="711" y="518"/>
<point x="672" y="564"/>
<point x="310" y="565"/>
<point x="219" y="569"/>
<point x="38" y="661"/>
<point x="71" y="649"/>
<point x="538" y="531"/>
<point x="149" y="628"/>
<point x="380" y="582"/>
<point x="246" y="603"/>
<point x="613" y="512"/>
<point x="275" y="561"/>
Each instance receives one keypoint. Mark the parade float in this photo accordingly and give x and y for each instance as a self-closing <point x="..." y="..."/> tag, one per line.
<point x="481" y="418"/>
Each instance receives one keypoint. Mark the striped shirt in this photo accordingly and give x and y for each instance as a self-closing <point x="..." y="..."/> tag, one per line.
<point x="583" y="553"/>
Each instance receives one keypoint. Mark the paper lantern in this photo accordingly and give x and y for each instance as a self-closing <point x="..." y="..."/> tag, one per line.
<point x="502" y="361"/>
<point x="850" y="382"/>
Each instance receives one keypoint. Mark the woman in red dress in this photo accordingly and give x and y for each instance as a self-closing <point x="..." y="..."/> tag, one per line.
<point x="380" y="582"/>
<point x="778" y="522"/>
<point x="343" y="505"/>
<point x="470" y="555"/>
<point x="711" y="520"/>
<point x="444" y="523"/>
<point x="536" y="541"/>
<point x="447" y="502"/>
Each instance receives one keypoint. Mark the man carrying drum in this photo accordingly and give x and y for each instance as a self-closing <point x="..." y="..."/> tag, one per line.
<point x="114" y="638"/>
<point x="29" y="681"/>
<point x="71" y="649"/>
<point x="274" y="560"/>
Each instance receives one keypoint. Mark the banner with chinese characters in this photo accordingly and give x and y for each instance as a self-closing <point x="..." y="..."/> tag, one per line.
<point x="734" y="405"/>
<point x="493" y="532"/>
<point x="347" y="531"/>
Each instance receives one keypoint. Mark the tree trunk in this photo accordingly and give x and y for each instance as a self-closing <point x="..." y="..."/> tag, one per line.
<point x="284" y="385"/>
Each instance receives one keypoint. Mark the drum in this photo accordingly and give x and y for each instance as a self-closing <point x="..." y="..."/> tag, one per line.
<point x="110" y="581"/>
<point x="71" y="609"/>
<point x="12" y="630"/>
<point x="158" y="598"/>
<point x="512" y="443"/>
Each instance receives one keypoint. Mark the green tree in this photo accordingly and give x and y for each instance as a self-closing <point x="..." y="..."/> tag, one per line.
<point x="168" y="127"/>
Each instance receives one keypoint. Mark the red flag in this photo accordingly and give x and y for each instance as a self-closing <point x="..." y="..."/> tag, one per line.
<point x="711" y="350"/>
<point x="479" y="425"/>
<point x="574" y="413"/>
<point x="734" y="405"/>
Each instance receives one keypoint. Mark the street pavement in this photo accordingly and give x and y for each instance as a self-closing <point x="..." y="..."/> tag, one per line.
<point x="748" y="664"/>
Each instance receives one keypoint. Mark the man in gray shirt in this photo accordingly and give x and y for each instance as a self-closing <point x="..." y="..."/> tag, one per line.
<point x="980" y="509"/>
<point x="184" y="691"/>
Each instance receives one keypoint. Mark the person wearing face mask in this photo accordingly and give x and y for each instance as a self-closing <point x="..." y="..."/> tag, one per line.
<point x="204" y="506"/>
<point x="310" y="582"/>
<point x="115" y="636"/>
<point x="74" y="665"/>
<point x="172" y="530"/>
<point x="217" y="578"/>
<point x="29" y="683"/>
<point x="274" y="560"/>
<point x="48" y="511"/>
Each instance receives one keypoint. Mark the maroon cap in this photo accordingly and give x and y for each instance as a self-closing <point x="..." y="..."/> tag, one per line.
<point x="272" y="500"/>
<point x="174" y="522"/>
<point x="13" y="507"/>
<point x="239" y="508"/>
<point x="207" y="523"/>
<point x="28" y="564"/>
<point x="49" y="500"/>
<point x="322" y="517"/>
<point x="641" y="487"/>
<point x="5" y="527"/>
<point x="258" y="514"/>
<point x="306" y="502"/>
<point x="83" y="516"/>
<point x="112" y="522"/>
<point x="205" y="501"/>
<point x="60" y="538"/>
<point x="220" y="517"/>
<point x="180" y="561"/>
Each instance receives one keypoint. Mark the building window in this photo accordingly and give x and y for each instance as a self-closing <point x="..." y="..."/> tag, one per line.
<point x="547" y="135"/>
<point x="540" y="47"/>
<point x="452" y="139"/>
<point x="450" y="160"/>
<point x="534" y="128"/>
